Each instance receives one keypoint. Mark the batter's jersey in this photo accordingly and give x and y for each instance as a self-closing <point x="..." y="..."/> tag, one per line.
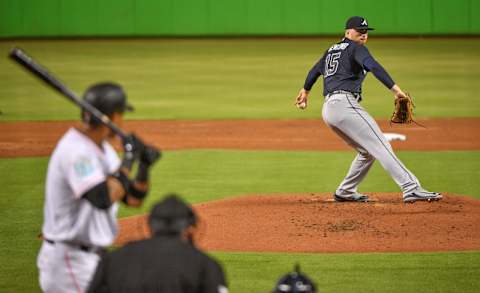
<point x="160" y="264"/>
<point x="76" y="165"/>
<point x="344" y="67"/>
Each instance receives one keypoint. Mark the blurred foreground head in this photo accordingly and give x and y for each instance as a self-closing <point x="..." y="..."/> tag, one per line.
<point x="294" y="282"/>
<point x="171" y="216"/>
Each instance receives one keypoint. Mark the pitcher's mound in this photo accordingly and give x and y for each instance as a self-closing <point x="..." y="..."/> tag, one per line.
<point x="313" y="223"/>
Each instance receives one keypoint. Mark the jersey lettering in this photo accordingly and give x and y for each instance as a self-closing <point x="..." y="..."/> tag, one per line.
<point x="331" y="63"/>
<point x="336" y="47"/>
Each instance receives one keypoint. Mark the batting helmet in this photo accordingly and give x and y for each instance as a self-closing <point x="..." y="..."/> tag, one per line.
<point x="171" y="216"/>
<point x="294" y="282"/>
<point x="108" y="98"/>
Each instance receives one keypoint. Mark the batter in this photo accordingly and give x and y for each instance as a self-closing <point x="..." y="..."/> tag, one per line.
<point x="344" y="67"/>
<point x="85" y="181"/>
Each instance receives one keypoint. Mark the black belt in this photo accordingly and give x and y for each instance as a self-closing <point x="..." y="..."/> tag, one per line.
<point x="357" y="96"/>
<point x="86" y="248"/>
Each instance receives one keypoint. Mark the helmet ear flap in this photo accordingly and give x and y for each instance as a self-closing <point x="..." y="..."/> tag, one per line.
<point x="192" y="218"/>
<point x="88" y="118"/>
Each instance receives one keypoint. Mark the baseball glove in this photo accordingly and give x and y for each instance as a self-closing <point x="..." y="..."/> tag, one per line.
<point x="403" y="112"/>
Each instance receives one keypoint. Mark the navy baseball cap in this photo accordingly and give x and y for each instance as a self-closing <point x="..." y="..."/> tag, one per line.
<point x="357" y="22"/>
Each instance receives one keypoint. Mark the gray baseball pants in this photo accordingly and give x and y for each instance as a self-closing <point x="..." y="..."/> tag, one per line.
<point x="343" y="113"/>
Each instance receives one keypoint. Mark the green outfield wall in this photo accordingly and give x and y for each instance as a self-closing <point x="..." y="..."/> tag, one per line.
<point x="52" y="18"/>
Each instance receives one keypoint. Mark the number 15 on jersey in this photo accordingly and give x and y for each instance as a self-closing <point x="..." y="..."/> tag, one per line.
<point x="331" y="63"/>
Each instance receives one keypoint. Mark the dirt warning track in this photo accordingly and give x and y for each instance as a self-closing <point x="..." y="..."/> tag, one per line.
<point x="19" y="139"/>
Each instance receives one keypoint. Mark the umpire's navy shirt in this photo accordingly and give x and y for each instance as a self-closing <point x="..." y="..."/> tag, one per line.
<point x="344" y="67"/>
<point x="163" y="263"/>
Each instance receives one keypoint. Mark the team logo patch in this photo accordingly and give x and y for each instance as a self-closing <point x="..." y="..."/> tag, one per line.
<point x="83" y="167"/>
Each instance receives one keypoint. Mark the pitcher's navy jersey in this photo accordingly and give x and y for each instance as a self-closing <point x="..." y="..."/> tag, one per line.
<point x="344" y="67"/>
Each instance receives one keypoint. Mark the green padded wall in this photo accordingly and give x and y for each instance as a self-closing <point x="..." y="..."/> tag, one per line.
<point x="76" y="19"/>
<point x="50" y="18"/>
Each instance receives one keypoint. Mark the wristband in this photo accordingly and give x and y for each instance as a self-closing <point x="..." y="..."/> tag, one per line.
<point x="138" y="194"/>
<point x="142" y="173"/>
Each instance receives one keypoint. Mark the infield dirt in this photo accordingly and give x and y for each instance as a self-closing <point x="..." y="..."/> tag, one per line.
<point x="296" y="222"/>
<point x="314" y="223"/>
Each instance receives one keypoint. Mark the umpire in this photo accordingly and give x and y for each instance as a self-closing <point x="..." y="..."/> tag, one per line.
<point x="167" y="262"/>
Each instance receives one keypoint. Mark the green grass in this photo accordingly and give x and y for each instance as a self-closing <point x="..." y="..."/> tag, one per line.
<point x="207" y="174"/>
<point x="379" y="272"/>
<point x="254" y="79"/>
<point x="235" y="78"/>
<point x="204" y="175"/>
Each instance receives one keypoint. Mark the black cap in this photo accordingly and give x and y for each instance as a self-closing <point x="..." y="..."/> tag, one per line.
<point x="357" y="22"/>
<point x="171" y="216"/>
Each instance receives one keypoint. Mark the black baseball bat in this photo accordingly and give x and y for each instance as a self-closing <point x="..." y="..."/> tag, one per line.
<point x="39" y="71"/>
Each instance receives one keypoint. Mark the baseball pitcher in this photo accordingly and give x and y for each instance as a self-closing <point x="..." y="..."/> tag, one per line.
<point x="344" y="66"/>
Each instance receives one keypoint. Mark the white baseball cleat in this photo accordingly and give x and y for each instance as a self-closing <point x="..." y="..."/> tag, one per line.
<point x="354" y="197"/>
<point x="421" y="195"/>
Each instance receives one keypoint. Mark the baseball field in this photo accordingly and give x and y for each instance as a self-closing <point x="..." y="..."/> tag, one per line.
<point x="260" y="172"/>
